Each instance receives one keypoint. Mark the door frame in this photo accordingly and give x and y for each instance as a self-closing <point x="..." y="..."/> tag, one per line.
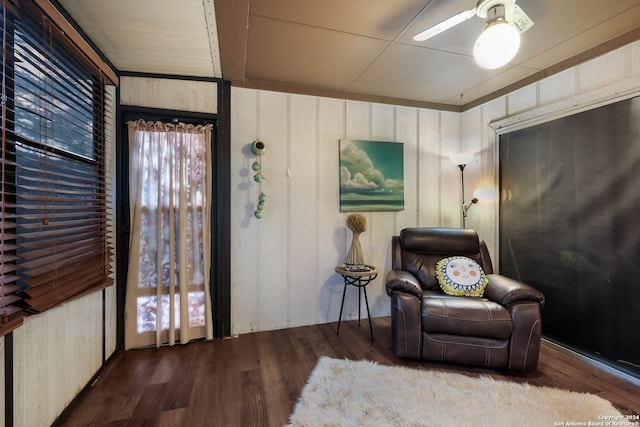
<point x="220" y="277"/>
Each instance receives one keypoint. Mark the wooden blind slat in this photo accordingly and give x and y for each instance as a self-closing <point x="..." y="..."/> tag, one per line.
<point x="53" y="221"/>
<point x="59" y="249"/>
<point x="38" y="244"/>
<point x="64" y="292"/>
<point x="70" y="274"/>
<point x="63" y="227"/>
<point x="56" y="262"/>
<point x="89" y="273"/>
<point x="35" y="237"/>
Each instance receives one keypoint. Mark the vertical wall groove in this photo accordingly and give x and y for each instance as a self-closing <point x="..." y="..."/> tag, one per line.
<point x="258" y="261"/>
<point x="289" y="231"/>
<point x="317" y="188"/>
<point x="418" y="170"/>
<point x="440" y="167"/>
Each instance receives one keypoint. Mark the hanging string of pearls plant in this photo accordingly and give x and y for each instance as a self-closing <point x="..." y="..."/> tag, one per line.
<point x="258" y="148"/>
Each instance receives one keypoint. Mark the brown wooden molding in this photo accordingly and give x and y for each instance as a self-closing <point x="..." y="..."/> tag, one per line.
<point x="77" y="40"/>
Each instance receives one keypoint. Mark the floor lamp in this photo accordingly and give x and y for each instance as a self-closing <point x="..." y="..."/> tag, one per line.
<point x="461" y="160"/>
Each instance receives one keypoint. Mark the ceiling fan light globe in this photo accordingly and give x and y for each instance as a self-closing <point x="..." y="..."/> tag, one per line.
<point x="497" y="45"/>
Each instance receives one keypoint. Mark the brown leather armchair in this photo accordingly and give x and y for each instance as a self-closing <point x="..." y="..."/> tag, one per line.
<point x="501" y="329"/>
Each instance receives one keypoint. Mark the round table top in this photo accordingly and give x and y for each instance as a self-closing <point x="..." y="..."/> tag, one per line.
<point x="342" y="269"/>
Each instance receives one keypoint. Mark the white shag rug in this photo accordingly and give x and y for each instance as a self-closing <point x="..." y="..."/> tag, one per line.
<point x="363" y="393"/>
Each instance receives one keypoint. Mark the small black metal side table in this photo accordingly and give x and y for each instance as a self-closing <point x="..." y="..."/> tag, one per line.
<point x="359" y="279"/>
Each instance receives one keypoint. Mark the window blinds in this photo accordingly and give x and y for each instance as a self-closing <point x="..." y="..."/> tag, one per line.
<point x="54" y="213"/>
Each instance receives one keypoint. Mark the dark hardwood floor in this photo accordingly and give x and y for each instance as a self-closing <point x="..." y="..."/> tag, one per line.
<point x="255" y="379"/>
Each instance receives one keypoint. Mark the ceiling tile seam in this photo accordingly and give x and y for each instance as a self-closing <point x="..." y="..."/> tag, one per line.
<point x="391" y="43"/>
<point x="469" y="89"/>
<point x="317" y="27"/>
<point x="578" y="35"/>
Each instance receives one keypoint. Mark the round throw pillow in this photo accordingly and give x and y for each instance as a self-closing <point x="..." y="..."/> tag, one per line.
<point x="459" y="275"/>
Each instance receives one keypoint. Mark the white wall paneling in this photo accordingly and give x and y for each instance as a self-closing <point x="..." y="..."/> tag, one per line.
<point x="332" y="234"/>
<point x="450" y="143"/>
<point x="407" y="132"/>
<point x="282" y="272"/>
<point x="302" y="180"/>
<point x="522" y="99"/>
<point x="274" y="239"/>
<point x="172" y="94"/>
<point x="604" y="70"/>
<point x="428" y="178"/>
<point x="56" y="353"/>
<point x="563" y="85"/>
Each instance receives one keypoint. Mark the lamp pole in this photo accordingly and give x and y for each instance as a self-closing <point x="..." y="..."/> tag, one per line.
<point x="461" y="160"/>
<point x="464" y="212"/>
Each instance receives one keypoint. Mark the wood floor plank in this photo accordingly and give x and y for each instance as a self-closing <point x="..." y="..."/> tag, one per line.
<point x="275" y="386"/>
<point x="256" y="379"/>
<point x="253" y="400"/>
<point x="172" y="418"/>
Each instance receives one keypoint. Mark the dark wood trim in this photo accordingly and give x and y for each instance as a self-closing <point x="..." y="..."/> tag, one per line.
<point x="171" y="77"/>
<point x="305" y="90"/>
<point x="104" y="326"/>
<point x="221" y="219"/>
<point x="122" y="222"/>
<point x="220" y="278"/>
<point x="8" y="380"/>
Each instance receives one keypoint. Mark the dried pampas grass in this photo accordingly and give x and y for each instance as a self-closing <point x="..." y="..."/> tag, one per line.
<point x="357" y="223"/>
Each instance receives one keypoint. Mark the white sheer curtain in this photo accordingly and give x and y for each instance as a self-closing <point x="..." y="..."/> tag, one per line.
<point x="168" y="298"/>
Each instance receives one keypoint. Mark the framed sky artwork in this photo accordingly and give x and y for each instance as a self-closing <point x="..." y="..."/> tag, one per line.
<point x="371" y="176"/>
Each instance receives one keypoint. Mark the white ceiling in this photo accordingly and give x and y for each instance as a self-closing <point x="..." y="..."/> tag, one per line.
<point x="360" y="49"/>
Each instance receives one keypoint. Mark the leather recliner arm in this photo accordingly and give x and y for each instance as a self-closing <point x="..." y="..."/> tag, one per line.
<point x="506" y="291"/>
<point x="403" y="281"/>
<point x="524" y="303"/>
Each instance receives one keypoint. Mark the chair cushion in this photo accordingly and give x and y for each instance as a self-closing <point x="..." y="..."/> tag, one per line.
<point x="459" y="275"/>
<point x="465" y="316"/>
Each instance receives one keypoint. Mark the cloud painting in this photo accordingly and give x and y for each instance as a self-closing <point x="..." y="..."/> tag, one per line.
<point x="371" y="176"/>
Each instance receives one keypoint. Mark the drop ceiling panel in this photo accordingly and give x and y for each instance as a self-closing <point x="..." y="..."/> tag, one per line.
<point x="414" y="73"/>
<point x="382" y="19"/>
<point x="282" y="51"/>
<point x="543" y="46"/>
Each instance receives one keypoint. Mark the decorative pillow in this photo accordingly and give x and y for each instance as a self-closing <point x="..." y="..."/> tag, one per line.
<point x="459" y="275"/>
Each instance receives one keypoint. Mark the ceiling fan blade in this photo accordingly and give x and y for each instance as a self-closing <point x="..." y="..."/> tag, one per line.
<point x="444" y="25"/>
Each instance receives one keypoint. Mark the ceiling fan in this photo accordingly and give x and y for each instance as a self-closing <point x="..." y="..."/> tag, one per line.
<point x="501" y="34"/>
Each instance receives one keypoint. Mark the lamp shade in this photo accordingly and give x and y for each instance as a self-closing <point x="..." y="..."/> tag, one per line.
<point x="497" y="45"/>
<point x="463" y="158"/>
